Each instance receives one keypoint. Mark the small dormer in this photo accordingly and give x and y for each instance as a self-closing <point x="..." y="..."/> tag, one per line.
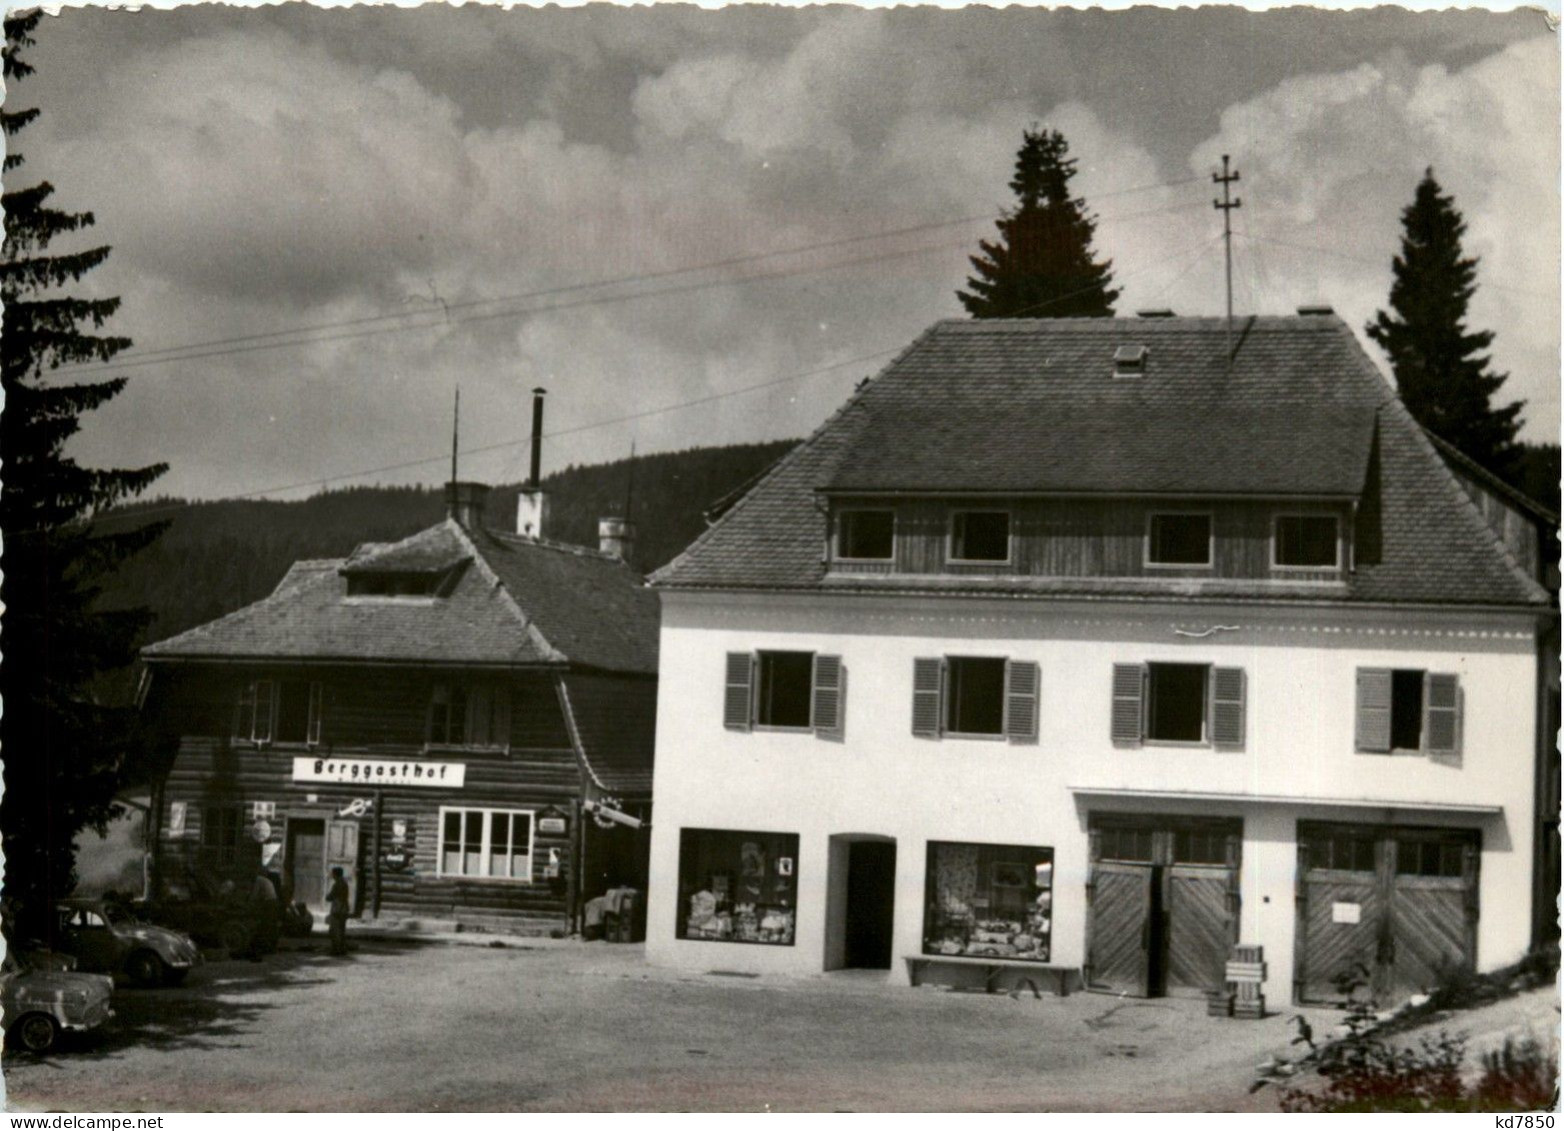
<point x="1130" y="361"/>
<point x="424" y="567"/>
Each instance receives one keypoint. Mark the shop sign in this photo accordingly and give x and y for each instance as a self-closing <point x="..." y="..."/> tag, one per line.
<point x="553" y="822"/>
<point x="380" y="771"/>
<point x="176" y="818"/>
<point x="358" y="807"/>
<point x="261" y="831"/>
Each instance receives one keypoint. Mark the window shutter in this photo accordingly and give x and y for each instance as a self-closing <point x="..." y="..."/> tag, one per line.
<point x="829" y="691"/>
<point x="928" y="687"/>
<point x="244" y="712"/>
<point x="1022" y="691"/>
<point x="312" y="733"/>
<point x="1442" y="714"/>
<point x="738" y="698"/>
<point x="265" y="703"/>
<point x="1129" y="685"/>
<point x="479" y="715"/>
<point x="1227" y="707"/>
<point x="1373" y="722"/>
<point x="499" y="728"/>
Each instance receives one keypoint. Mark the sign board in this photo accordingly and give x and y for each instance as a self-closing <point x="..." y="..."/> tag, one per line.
<point x="379" y="771"/>
<point x="1346" y="913"/>
<point x="176" y="818"/>
<point x="261" y="831"/>
<point x="263" y="810"/>
<point x="552" y="826"/>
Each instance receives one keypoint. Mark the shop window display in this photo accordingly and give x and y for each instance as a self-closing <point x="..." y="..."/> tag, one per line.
<point x="989" y="901"/>
<point x="737" y="886"/>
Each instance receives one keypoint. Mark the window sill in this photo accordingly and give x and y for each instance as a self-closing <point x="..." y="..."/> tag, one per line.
<point x="1179" y="565"/>
<point x="974" y="737"/>
<point x="464" y="748"/>
<point x="486" y="879"/>
<point x="765" y="728"/>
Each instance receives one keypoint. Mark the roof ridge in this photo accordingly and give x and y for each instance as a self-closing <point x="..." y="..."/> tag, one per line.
<point x="792" y="455"/>
<point x="1464" y="503"/>
<point x="505" y="537"/>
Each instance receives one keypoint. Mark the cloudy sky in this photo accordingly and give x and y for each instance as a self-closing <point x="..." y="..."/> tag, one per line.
<point x="343" y="214"/>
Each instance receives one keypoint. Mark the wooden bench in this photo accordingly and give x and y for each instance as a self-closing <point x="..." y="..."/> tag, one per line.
<point x="993" y="968"/>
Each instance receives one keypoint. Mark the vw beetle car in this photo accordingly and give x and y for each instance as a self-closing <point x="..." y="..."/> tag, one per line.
<point x="40" y="998"/>
<point x="106" y="938"/>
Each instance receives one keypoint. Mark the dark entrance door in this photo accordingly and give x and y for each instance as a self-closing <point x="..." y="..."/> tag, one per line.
<point x="871" y="901"/>
<point x="306" y="865"/>
<point x="1393" y="910"/>
<point x="1163" y="903"/>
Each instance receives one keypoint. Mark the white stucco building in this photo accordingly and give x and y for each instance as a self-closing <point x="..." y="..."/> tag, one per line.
<point x="1062" y="652"/>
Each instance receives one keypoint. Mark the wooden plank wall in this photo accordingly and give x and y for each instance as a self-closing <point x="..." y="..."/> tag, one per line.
<point x="379" y="715"/>
<point x="1090" y="538"/>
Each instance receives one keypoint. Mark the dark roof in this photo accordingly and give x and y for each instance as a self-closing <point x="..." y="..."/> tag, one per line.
<point x="519" y="602"/>
<point x="615" y="719"/>
<point x="1032" y="405"/>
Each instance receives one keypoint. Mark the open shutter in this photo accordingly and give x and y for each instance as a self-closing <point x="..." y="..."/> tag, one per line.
<point x="928" y="688"/>
<point x="829" y="694"/>
<point x="265" y="705"/>
<point x="1021" y="694"/>
<point x="1373" y="721"/>
<point x="1442" y="715"/>
<point x="738" y="696"/>
<point x="1129" y="684"/>
<point x="312" y="732"/>
<point x="244" y="712"/>
<point x="1227" y="707"/>
<point x="476" y="724"/>
<point x="499" y="733"/>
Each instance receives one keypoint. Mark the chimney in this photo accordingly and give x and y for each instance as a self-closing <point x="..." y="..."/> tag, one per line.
<point x="616" y="536"/>
<point x="464" y="503"/>
<point x="532" y="504"/>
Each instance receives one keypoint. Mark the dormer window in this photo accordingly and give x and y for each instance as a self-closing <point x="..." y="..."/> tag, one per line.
<point x="980" y="536"/>
<point x="1129" y="361"/>
<point x="866" y="535"/>
<point x="394" y="584"/>
<point x="1306" y="541"/>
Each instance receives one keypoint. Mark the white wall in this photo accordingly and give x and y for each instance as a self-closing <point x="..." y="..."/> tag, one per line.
<point x="880" y="780"/>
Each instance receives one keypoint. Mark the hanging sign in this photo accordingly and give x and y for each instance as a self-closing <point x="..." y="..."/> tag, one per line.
<point x="261" y="831"/>
<point x="176" y="818"/>
<point x="553" y="822"/>
<point x="358" y="807"/>
<point x="380" y="771"/>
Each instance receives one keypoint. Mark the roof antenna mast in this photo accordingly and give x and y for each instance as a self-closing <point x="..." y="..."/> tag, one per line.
<point x="456" y="428"/>
<point x="630" y="483"/>
<point x="1226" y="206"/>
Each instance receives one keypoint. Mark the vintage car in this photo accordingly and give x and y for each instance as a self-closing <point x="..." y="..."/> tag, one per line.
<point x="105" y="937"/>
<point x="244" y="922"/>
<point x="40" y="995"/>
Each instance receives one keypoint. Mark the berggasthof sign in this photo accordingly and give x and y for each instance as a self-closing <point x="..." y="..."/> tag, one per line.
<point x="380" y="771"/>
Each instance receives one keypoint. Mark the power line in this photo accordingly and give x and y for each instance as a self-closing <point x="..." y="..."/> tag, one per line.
<point x="324" y="481"/>
<point x="421" y="319"/>
<point x="1315" y="250"/>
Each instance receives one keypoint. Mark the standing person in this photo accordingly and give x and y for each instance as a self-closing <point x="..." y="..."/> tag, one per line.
<point x="338" y="915"/>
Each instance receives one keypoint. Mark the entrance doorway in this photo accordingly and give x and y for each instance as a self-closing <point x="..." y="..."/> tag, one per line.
<point x="871" y="904"/>
<point x="1163" y="898"/>
<point x="306" y="860"/>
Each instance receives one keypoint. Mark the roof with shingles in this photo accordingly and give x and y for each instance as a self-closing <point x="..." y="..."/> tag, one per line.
<point x="1032" y="405"/>
<point x="518" y="602"/>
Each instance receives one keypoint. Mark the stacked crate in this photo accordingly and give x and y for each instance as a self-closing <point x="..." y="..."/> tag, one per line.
<point x="1245" y="975"/>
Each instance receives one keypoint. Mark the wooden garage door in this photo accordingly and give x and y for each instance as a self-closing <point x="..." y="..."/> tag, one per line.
<point x="1121" y="913"/>
<point x="1395" y="909"/>
<point x="1164" y="902"/>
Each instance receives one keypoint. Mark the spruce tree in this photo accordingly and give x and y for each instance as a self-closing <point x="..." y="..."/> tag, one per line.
<point x="1042" y="266"/>
<point x="1440" y="368"/>
<point x="63" y="749"/>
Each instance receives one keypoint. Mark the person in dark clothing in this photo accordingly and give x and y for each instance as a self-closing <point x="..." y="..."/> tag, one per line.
<point x="337" y="917"/>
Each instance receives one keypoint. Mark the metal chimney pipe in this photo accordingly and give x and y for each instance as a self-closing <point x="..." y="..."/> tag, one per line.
<point x="537" y="437"/>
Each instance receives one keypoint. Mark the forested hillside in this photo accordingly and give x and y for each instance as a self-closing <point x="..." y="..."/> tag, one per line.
<point x="218" y="556"/>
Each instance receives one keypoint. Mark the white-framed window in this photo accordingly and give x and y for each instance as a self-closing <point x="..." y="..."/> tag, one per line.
<point x="1179" y="704"/>
<point x="461" y="715"/>
<point x="1181" y="539"/>
<point x="1408" y="710"/>
<point x="864" y="535"/>
<point x="785" y="690"/>
<point x="486" y="844"/>
<point x="287" y="710"/>
<point x="975" y="697"/>
<point x="979" y="536"/>
<point x="1306" y="541"/>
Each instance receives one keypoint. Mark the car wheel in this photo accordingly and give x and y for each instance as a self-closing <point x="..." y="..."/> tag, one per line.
<point x="145" y="968"/>
<point x="235" y="937"/>
<point x="36" y="1032"/>
<point x="173" y="977"/>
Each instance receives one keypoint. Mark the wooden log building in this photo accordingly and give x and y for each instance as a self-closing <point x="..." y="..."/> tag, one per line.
<point x="460" y="720"/>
